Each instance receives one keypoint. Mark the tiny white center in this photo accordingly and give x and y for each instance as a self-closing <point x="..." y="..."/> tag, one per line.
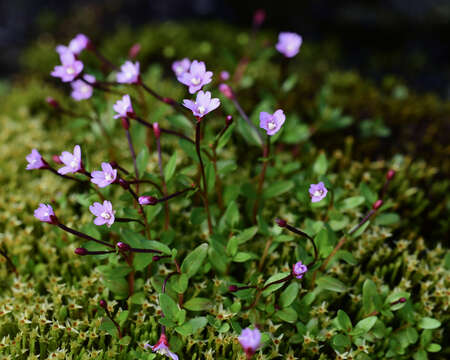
<point x="105" y="215"/>
<point x="85" y="89"/>
<point x="179" y="69"/>
<point x="318" y="193"/>
<point x="46" y="214"/>
<point x="108" y="177"/>
<point x="33" y="161"/>
<point x="271" y="125"/>
<point x="201" y="109"/>
<point x="73" y="163"/>
<point x="195" y="81"/>
<point x="70" y="70"/>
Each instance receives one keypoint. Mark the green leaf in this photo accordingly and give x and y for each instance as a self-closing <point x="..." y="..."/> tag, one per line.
<point x="142" y="160"/>
<point x="394" y="297"/>
<point x="370" y="195"/>
<point x="289" y="83"/>
<point x="210" y="177"/>
<point x="371" y="300"/>
<point x="360" y="230"/>
<point x="226" y="136"/>
<point x="288" y="315"/>
<point x="125" y="340"/>
<point x="346" y="256"/>
<point x="108" y="326"/>
<point x="244" y="256"/>
<point x="278" y="189"/>
<point x="179" y="283"/>
<point x="332" y="284"/>
<point x="320" y="165"/>
<point x="138" y="298"/>
<point x="387" y="219"/>
<point x="420" y="355"/>
<point x="323" y="243"/>
<point x="169" y="307"/>
<point x="232" y="214"/>
<point x="273" y="278"/>
<point x="194" y="260"/>
<point x="246" y="234"/>
<point x="351" y="202"/>
<point x="428" y="323"/>
<point x="156" y="245"/>
<point x="198" y="215"/>
<point x="341" y="341"/>
<point x="344" y="321"/>
<point x="198" y="304"/>
<point x="434" y="348"/>
<point x="364" y="326"/>
<point x="141" y="260"/>
<point x="169" y="169"/>
<point x="288" y="296"/>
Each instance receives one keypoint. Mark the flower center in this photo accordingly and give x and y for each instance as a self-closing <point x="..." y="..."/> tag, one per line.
<point x="271" y="125"/>
<point x="108" y="177"/>
<point x="33" y="161"/>
<point x="318" y="193"/>
<point x="70" y="70"/>
<point x="73" y="163"/>
<point x="201" y="109"/>
<point x="179" y="69"/>
<point x="195" y="81"/>
<point x="105" y="215"/>
<point x="85" y="89"/>
<point x="46" y="214"/>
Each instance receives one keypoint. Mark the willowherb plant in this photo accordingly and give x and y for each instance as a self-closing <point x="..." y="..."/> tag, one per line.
<point x="229" y="285"/>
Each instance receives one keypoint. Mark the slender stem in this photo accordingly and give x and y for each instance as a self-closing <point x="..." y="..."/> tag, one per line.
<point x="83" y="235"/>
<point x="260" y="290"/>
<point x="164" y="185"/>
<point x="169" y="101"/>
<point x="301" y="233"/>
<point x="114" y="322"/>
<point x="148" y="182"/>
<point x="65" y="176"/>
<point x="145" y="250"/>
<point x="266" y="153"/>
<point x="9" y="261"/>
<point x="100" y="252"/>
<point x="133" y="155"/>
<point x="175" y="194"/>
<point x="202" y="168"/>
<point x="103" y="59"/>
<point x="218" y="180"/>
<point x="363" y="221"/>
<point x="163" y="130"/>
<point x="147" y="230"/>
<point x="246" y="118"/>
<point x="264" y="255"/>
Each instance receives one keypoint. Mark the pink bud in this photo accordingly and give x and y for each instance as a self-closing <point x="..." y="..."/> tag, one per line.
<point x="390" y="175"/>
<point x="156" y="130"/>
<point x="134" y="51"/>
<point x="258" y="17"/>
<point x="56" y="159"/>
<point x="122" y="246"/>
<point x="224" y="75"/>
<point x="232" y="288"/>
<point x="226" y="91"/>
<point x="229" y="120"/>
<point x="81" y="251"/>
<point x="103" y="304"/>
<point x="281" y="222"/>
<point x="52" y="102"/>
<point x="125" y="123"/>
<point x="377" y="204"/>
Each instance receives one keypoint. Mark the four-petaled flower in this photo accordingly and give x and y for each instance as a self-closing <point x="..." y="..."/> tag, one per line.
<point x="181" y="66"/>
<point x="69" y="69"/>
<point x="196" y="77"/>
<point x="45" y="213"/>
<point x="162" y="347"/>
<point x="250" y="341"/>
<point x="35" y="160"/>
<point x="76" y="45"/>
<point x="104" y="213"/>
<point x="105" y="177"/>
<point x="289" y="43"/>
<point x="129" y="73"/>
<point x="81" y="90"/>
<point x="203" y="104"/>
<point x="271" y="123"/>
<point x="317" y="191"/>
<point x="72" y="161"/>
<point x="299" y="269"/>
<point x="123" y="107"/>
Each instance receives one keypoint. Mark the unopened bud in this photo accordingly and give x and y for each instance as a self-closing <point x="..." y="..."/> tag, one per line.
<point x="226" y="91"/>
<point x="224" y="75"/>
<point x="81" y="251"/>
<point x="52" y="102"/>
<point x="169" y="101"/>
<point x="377" y="204"/>
<point x="156" y="258"/>
<point x="122" y="246"/>
<point x="103" y="304"/>
<point x="134" y="51"/>
<point x="390" y="175"/>
<point x="56" y="159"/>
<point x="113" y="164"/>
<point x="258" y="17"/>
<point x="125" y="122"/>
<point x="156" y="130"/>
<point x="148" y="200"/>
<point x="124" y="184"/>
<point x="402" y="300"/>
<point x="281" y="222"/>
<point x="229" y="120"/>
<point x="232" y="288"/>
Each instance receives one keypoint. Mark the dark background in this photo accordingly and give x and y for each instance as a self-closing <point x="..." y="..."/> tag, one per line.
<point x="401" y="37"/>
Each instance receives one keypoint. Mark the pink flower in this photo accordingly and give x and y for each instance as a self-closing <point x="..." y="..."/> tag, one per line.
<point x="289" y="44"/>
<point x="181" y="66"/>
<point x="105" y="177"/>
<point x="299" y="269"/>
<point x="317" y="191"/>
<point x="250" y="341"/>
<point x="76" y="45"/>
<point x="35" y="160"/>
<point x="129" y="73"/>
<point x="72" y="161"/>
<point x="104" y="213"/>
<point x="123" y="107"/>
<point x="162" y="347"/>
<point x="203" y="104"/>
<point x="81" y="90"/>
<point x="69" y="69"/>
<point x="196" y="77"/>
<point x="45" y="214"/>
<point x="271" y="123"/>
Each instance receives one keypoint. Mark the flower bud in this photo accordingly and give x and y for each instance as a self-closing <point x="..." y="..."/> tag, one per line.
<point x="156" y="258"/>
<point x="156" y="130"/>
<point x="122" y="246"/>
<point x="81" y="251"/>
<point x="226" y="91"/>
<point x="124" y="184"/>
<point x="113" y="164"/>
<point x="377" y="204"/>
<point x="103" y="304"/>
<point x="148" y="200"/>
<point x="390" y="175"/>
<point x="169" y="101"/>
<point x="232" y="288"/>
<point x="125" y="123"/>
<point x="134" y="51"/>
<point x="229" y="120"/>
<point x="56" y="159"/>
<point x="281" y="222"/>
<point x="258" y="17"/>
<point x="224" y="75"/>
<point x="52" y="102"/>
<point x="402" y="300"/>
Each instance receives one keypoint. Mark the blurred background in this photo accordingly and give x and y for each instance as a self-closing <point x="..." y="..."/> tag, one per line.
<point x="401" y="37"/>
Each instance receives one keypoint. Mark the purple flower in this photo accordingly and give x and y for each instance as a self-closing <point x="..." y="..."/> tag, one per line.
<point x="69" y="69"/>
<point x="271" y="123"/>
<point x="76" y="45"/>
<point x="123" y="107"/>
<point x="289" y="44"/>
<point x="250" y="341"/>
<point x="104" y="213"/>
<point x="35" y="160"/>
<point x="45" y="213"/>
<point x="317" y="191"/>
<point x="162" y="347"/>
<point x="203" y="104"/>
<point x="105" y="177"/>
<point x="181" y="66"/>
<point x="72" y="161"/>
<point x="129" y="73"/>
<point x="196" y="77"/>
<point x="81" y="90"/>
<point x="299" y="269"/>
